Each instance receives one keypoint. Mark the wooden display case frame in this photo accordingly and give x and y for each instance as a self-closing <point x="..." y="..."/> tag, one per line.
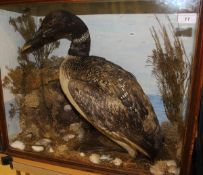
<point x="192" y="110"/>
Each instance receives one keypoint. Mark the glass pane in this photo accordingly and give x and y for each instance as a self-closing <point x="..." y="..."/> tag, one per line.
<point x="66" y="102"/>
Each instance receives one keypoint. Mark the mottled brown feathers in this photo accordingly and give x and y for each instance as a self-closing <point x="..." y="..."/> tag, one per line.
<point x="112" y="100"/>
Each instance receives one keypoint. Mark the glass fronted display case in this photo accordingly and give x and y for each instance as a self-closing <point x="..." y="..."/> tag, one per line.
<point x="105" y="86"/>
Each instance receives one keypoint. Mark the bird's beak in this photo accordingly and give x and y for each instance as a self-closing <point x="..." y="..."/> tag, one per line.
<point x="25" y="48"/>
<point x="33" y="44"/>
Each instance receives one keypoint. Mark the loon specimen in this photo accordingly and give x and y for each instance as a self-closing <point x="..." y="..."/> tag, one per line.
<point x="105" y="94"/>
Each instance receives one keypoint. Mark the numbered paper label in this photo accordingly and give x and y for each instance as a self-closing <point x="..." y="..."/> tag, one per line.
<point x="187" y="18"/>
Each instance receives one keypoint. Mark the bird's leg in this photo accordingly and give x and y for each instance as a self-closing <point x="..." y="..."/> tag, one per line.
<point x="132" y="152"/>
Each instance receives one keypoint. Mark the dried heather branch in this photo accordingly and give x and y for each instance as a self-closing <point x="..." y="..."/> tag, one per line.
<point x="171" y="68"/>
<point x="19" y="79"/>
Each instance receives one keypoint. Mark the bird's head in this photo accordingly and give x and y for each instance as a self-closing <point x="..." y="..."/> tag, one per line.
<point x="56" y="25"/>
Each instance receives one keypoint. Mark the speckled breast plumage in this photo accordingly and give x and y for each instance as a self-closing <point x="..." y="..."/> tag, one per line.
<point x="112" y="101"/>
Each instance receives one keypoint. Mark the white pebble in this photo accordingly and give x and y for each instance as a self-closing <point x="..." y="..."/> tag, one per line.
<point x="156" y="172"/>
<point x="117" y="161"/>
<point x="171" y="163"/>
<point x="43" y="142"/>
<point x="78" y="129"/>
<point x="18" y="145"/>
<point x="38" y="148"/>
<point x="174" y="170"/>
<point x="105" y="157"/>
<point x="82" y="154"/>
<point x="68" y="137"/>
<point x="75" y="127"/>
<point x="51" y="150"/>
<point x="67" y="108"/>
<point x="29" y="136"/>
<point x="95" y="158"/>
<point x="158" y="169"/>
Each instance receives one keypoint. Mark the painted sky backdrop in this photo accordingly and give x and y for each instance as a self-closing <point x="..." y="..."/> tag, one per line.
<point x="124" y="39"/>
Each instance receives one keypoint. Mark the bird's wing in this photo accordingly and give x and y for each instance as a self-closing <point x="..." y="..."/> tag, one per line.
<point x="108" y="113"/>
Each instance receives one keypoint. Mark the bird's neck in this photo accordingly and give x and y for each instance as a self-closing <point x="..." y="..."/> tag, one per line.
<point x="80" y="46"/>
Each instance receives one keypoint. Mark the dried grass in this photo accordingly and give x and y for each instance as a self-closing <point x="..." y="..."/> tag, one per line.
<point x="32" y="70"/>
<point x="171" y="68"/>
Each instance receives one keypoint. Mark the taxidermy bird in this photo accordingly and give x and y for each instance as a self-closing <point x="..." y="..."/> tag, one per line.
<point x="106" y="95"/>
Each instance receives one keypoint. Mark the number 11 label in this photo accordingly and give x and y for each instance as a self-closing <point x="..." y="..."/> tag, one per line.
<point x="187" y="18"/>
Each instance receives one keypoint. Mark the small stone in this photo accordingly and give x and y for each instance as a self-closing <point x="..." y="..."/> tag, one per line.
<point x="106" y="157"/>
<point x="38" y="148"/>
<point x="51" y="150"/>
<point x="29" y="136"/>
<point x="174" y="170"/>
<point x="171" y="163"/>
<point x="159" y="168"/>
<point x="68" y="137"/>
<point x="156" y="172"/>
<point x="82" y="154"/>
<point x="117" y="161"/>
<point x="94" y="158"/>
<point x="67" y="108"/>
<point x="18" y="145"/>
<point x="43" y="142"/>
<point x="78" y="129"/>
<point x="75" y="127"/>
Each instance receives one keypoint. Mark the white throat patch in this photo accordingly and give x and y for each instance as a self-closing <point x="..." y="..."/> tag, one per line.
<point x="83" y="38"/>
